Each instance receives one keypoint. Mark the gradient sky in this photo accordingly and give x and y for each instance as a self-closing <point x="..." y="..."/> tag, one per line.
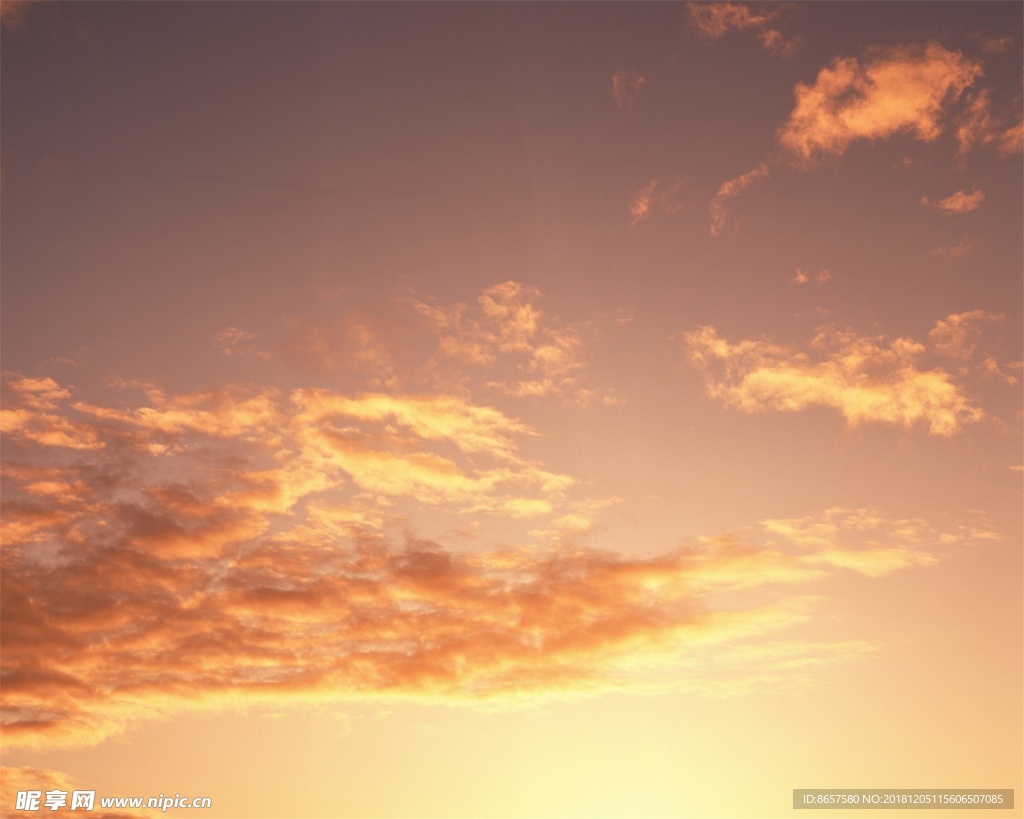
<point x="495" y="409"/>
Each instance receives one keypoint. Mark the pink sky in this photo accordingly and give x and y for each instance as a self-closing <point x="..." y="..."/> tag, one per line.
<point x="511" y="409"/>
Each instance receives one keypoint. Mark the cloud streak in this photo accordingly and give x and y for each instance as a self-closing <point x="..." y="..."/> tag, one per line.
<point x="959" y="202"/>
<point x="652" y="197"/>
<point x="729" y="190"/>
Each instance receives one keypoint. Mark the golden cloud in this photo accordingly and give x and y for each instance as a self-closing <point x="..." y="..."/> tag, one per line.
<point x="225" y="568"/>
<point x="508" y="327"/>
<point x="860" y="540"/>
<point x="868" y="379"/>
<point x="900" y="89"/>
<point x="956" y="336"/>
<point x="35" y="416"/>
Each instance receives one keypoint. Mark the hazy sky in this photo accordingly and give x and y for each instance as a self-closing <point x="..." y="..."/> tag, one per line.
<point x="511" y="409"/>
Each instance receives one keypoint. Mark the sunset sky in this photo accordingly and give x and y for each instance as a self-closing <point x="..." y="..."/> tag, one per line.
<point x="511" y="409"/>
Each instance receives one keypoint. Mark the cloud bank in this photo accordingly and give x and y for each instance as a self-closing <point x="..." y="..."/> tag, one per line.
<point x="232" y="547"/>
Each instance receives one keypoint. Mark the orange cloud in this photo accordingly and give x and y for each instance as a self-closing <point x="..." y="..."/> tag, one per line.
<point x="714" y="20"/>
<point x="956" y="336"/>
<point x="35" y="416"/>
<point x="510" y="344"/>
<point x="900" y="89"/>
<point x="976" y="125"/>
<point x="103" y="628"/>
<point x="641" y="202"/>
<point x="1011" y="141"/>
<point x="865" y="378"/>
<point x="626" y="86"/>
<point x="860" y="540"/>
<point x="654" y="195"/>
<point x="508" y="327"/>
<point x="364" y="344"/>
<point x="13" y="13"/>
<point x="959" y="202"/>
<point x="800" y="277"/>
<point x="730" y="189"/>
<point x="439" y="450"/>
<point x="961" y="248"/>
<point x="238" y="343"/>
<point x="993" y="45"/>
<point x="243" y="561"/>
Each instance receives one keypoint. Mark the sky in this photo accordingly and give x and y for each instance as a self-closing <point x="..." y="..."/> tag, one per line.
<point x="511" y="409"/>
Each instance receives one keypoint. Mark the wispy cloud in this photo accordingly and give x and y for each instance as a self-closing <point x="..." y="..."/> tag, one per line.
<point x="369" y="345"/>
<point x="1011" y="141"/>
<point x="900" y="89"/>
<point x="858" y="539"/>
<point x="626" y="86"/>
<point x="507" y="327"/>
<point x="959" y="202"/>
<point x="866" y="378"/>
<point x="801" y="277"/>
<point x="714" y="20"/>
<point x="501" y="342"/>
<point x="957" y="335"/>
<point x="729" y="190"/>
<point x="654" y="196"/>
<point x="976" y="125"/>
<point x="642" y="202"/>
<point x="993" y="45"/>
<point x="237" y="343"/>
<point x="961" y="248"/>
<point x="31" y="411"/>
